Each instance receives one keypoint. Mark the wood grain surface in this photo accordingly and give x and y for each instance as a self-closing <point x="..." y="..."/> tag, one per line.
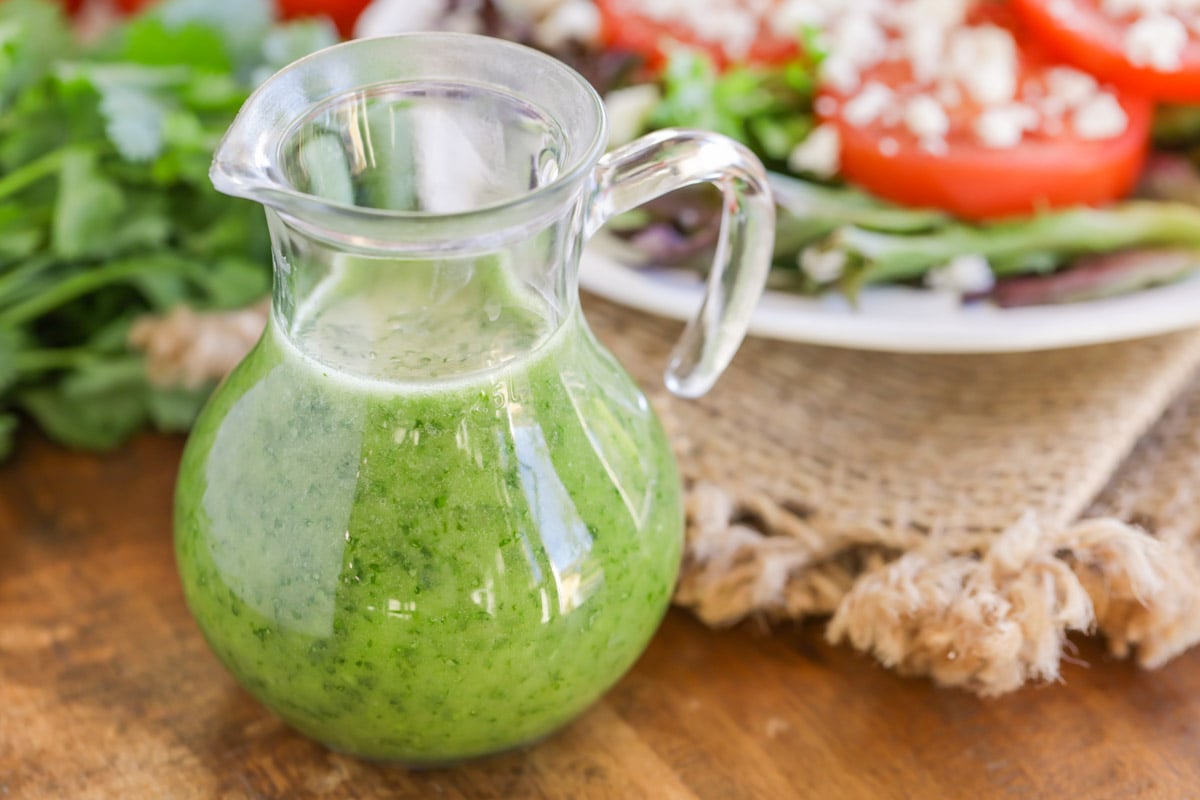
<point x="107" y="690"/>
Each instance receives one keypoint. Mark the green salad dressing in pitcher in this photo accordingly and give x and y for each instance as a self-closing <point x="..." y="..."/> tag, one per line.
<point x="429" y="517"/>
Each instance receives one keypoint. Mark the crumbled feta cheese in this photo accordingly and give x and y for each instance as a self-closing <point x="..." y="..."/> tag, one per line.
<point x="571" y="21"/>
<point x="819" y="154"/>
<point x="1123" y="8"/>
<point x="925" y="118"/>
<point x="948" y="94"/>
<point x="1071" y="86"/>
<point x="1052" y="106"/>
<point x="822" y="266"/>
<point x="984" y="59"/>
<point x="888" y="146"/>
<point x="792" y="16"/>
<point x="730" y="26"/>
<point x="931" y="13"/>
<point x="462" y="20"/>
<point x="1100" y="118"/>
<point x="1156" y="41"/>
<point x="628" y="109"/>
<point x="1004" y="126"/>
<point x="527" y="9"/>
<point x="866" y="107"/>
<point x="1064" y="11"/>
<point x="922" y="45"/>
<point x="923" y="26"/>
<point x="825" y="106"/>
<point x="386" y="17"/>
<point x="965" y="274"/>
<point x="839" y="73"/>
<point x="858" y="37"/>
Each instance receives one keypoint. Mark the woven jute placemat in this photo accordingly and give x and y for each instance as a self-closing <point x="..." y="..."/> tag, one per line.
<point x="954" y="516"/>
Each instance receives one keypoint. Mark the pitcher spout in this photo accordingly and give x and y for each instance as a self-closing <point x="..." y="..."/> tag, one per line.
<point x="416" y="144"/>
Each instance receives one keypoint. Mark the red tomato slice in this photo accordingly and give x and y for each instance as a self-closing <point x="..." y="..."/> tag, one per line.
<point x="627" y="27"/>
<point x="976" y="182"/>
<point x="1050" y="167"/>
<point x="1081" y="32"/>
<point x="132" y="6"/>
<point x="344" y="13"/>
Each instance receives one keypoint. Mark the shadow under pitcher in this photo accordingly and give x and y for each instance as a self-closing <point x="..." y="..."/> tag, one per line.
<point x="429" y="517"/>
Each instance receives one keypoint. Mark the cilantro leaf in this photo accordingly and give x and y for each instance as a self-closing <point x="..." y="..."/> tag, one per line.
<point x="96" y="406"/>
<point x="106" y="209"/>
<point x="134" y="120"/>
<point x="241" y="25"/>
<point x="174" y="410"/>
<point x="89" y="205"/>
<point x="151" y="41"/>
<point x="32" y="35"/>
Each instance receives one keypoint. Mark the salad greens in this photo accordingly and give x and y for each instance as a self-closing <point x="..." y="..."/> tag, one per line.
<point x="106" y="210"/>
<point x="768" y="109"/>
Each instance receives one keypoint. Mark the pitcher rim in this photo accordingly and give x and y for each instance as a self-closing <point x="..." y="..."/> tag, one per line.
<point x="263" y="183"/>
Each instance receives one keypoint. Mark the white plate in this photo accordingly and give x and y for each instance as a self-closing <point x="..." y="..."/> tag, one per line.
<point x="900" y="319"/>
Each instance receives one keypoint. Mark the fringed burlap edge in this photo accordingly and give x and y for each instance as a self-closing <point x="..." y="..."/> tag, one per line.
<point x="985" y="613"/>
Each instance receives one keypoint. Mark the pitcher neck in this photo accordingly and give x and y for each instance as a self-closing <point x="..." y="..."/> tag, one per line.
<point x="371" y="314"/>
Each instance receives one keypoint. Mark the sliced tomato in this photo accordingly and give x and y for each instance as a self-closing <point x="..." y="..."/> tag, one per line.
<point x="344" y="13"/>
<point x="976" y="182"/>
<point x="132" y="6"/>
<point x="1051" y="167"/>
<point x="1084" y="34"/>
<point x="626" y="26"/>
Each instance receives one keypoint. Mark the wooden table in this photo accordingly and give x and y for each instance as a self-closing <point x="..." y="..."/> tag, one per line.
<point x="108" y="691"/>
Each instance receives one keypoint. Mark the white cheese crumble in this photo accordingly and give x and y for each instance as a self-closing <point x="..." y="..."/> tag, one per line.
<point x="965" y="274"/>
<point x="792" y="16"/>
<point x="948" y="94"/>
<point x="984" y="59"/>
<point x="386" y="17"/>
<point x="819" y="154"/>
<point x="825" y="106"/>
<point x="839" y="73"/>
<point x="732" y="27"/>
<point x="571" y="21"/>
<point x="922" y="45"/>
<point x="1071" y="86"/>
<point x="867" y="106"/>
<point x="1100" y="118"/>
<point x="822" y="266"/>
<point x="925" y="118"/>
<point x="628" y="109"/>
<point x="1002" y="127"/>
<point x="1123" y="8"/>
<point x="1156" y="41"/>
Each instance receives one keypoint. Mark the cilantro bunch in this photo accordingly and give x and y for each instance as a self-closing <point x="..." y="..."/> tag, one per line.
<point x="106" y="210"/>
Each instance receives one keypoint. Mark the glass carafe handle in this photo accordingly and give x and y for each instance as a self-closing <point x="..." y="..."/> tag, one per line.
<point x="666" y="160"/>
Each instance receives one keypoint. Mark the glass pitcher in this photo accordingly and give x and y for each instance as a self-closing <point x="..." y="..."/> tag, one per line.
<point x="429" y="517"/>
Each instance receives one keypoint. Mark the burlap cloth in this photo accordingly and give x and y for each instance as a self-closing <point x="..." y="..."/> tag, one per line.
<point x="955" y="516"/>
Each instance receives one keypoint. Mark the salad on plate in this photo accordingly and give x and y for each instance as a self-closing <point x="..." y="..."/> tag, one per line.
<point x="1008" y="152"/>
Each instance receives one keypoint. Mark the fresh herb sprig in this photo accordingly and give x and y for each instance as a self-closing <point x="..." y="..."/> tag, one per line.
<point x="769" y="109"/>
<point x="106" y="210"/>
